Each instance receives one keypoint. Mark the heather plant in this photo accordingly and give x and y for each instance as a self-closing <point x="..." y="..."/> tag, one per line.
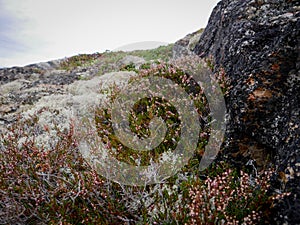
<point x="219" y="195"/>
<point x="144" y="110"/>
<point x="232" y="197"/>
<point x="193" y="63"/>
<point x="57" y="185"/>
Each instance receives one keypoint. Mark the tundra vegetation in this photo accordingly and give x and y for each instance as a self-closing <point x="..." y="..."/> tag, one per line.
<point x="57" y="185"/>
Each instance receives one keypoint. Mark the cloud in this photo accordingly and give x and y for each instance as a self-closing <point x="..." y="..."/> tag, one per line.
<point x="9" y="26"/>
<point x="38" y="30"/>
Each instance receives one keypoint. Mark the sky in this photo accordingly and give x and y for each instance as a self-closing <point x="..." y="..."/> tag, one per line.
<point x="34" y="31"/>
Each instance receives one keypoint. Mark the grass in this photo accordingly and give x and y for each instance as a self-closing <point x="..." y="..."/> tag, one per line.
<point x="109" y="59"/>
<point x="79" y="60"/>
<point x="163" y="53"/>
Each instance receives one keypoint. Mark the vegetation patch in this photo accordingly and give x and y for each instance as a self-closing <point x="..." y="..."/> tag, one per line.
<point x="56" y="185"/>
<point x="79" y="60"/>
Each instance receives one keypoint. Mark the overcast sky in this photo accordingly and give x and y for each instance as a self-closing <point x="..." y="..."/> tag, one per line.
<point x="41" y="30"/>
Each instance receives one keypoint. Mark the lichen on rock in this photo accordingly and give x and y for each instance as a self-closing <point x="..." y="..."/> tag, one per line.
<point x="257" y="44"/>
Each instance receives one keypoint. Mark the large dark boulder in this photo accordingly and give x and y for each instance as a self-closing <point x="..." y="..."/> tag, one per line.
<point x="256" y="42"/>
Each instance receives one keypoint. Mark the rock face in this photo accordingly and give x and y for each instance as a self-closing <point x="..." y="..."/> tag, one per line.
<point x="185" y="45"/>
<point x="256" y="42"/>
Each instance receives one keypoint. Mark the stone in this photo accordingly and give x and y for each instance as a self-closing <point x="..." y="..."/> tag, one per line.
<point x="257" y="44"/>
<point x="184" y="46"/>
<point x="130" y="59"/>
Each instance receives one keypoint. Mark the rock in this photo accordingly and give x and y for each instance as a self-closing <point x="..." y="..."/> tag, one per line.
<point x="257" y="44"/>
<point x="55" y="96"/>
<point x="184" y="47"/>
<point x="130" y="59"/>
<point x="22" y="87"/>
<point x="57" y="110"/>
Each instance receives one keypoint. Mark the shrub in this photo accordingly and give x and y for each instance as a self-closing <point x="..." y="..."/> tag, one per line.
<point x="51" y="186"/>
<point x="232" y="197"/>
<point x="146" y="109"/>
<point x="58" y="186"/>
